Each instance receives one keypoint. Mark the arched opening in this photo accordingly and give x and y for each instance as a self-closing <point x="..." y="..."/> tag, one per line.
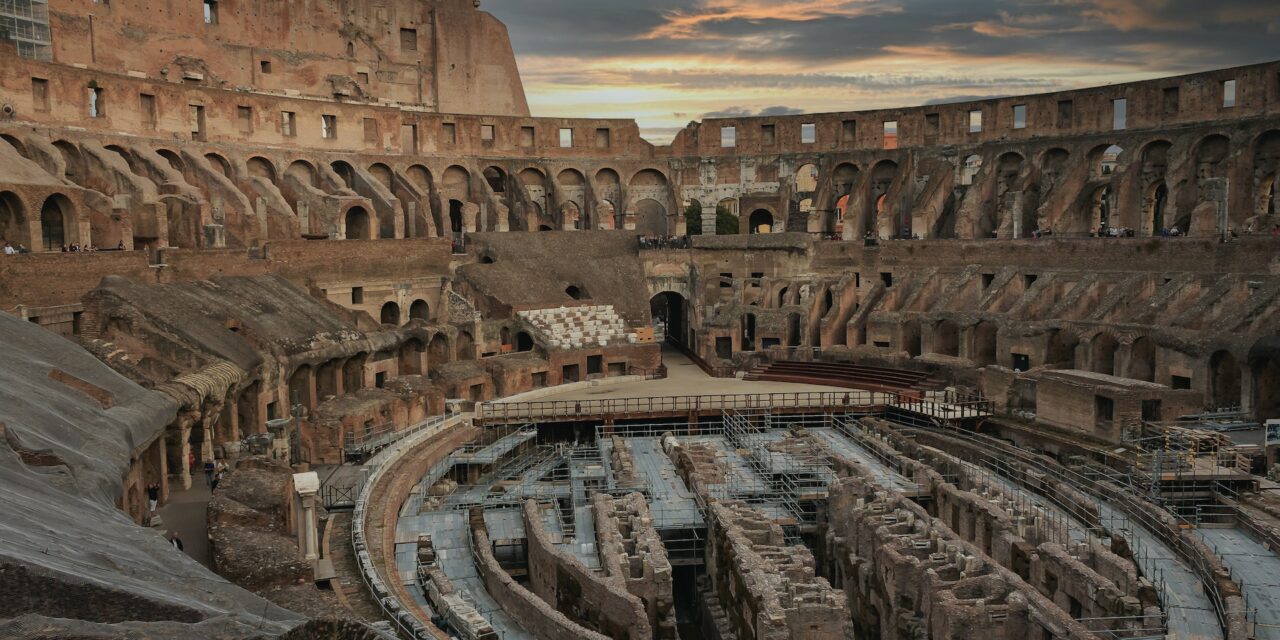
<point x="1142" y="360"/>
<point x="1062" y="350"/>
<point x="1266" y="164"/>
<point x="577" y="292"/>
<point x="74" y="169"/>
<point x="1103" y="353"/>
<point x="524" y="342"/>
<point x="1266" y="387"/>
<point x="651" y="218"/>
<point x="304" y="173"/>
<point x="353" y="373"/>
<point x="946" y="339"/>
<point x="496" y="179"/>
<point x="358" y="224"/>
<point x="328" y="377"/>
<point x="911" y="337"/>
<point x="570" y="216"/>
<point x="807" y="179"/>
<point x="782" y="296"/>
<point x="247" y="412"/>
<point x="383" y="174"/>
<point x="300" y="391"/>
<point x="1101" y="209"/>
<point x="608" y="214"/>
<point x="749" y="332"/>
<point x="57" y="224"/>
<point x="970" y="169"/>
<point x="1157" y="203"/>
<point x="466" y="346"/>
<point x="761" y="221"/>
<point x="793" y="330"/>
<point x="543" y="227"/>
<point x="670" y="311"/>
<point x="420" y="310"/>
<point x="13" y="220"/>
<point x="411" y="358"/>
<point x="1224" y="381"/>
<point x="1106" y="160"/>
<point x="216" y="162"/>
<point x="260" y="167"/>
<point x="174" y="160"/>
<point x="391" y="314"/>
<point x="438" y="351"/>
<point x="882" y="178"/>
<point x="985" y="339"/>
<point x="456" y="223"/>
<point x="457" y="181"/>
<point x="346" y="172"/>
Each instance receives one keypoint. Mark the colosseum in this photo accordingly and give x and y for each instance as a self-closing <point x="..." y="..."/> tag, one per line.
<point x="292" y="349"/>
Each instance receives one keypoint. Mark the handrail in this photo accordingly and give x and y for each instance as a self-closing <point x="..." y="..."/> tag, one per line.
<point x="392" y="610"/>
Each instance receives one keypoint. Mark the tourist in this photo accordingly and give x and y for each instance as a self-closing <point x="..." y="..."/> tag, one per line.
<point x="22" y="249"/>
<point x="120" y="246"/>
<point x="209" y="469"/>
<point x="175" y="540"/>
<point x="153" y="497"/>
<point x="217" y="478"/>
<point x="9" y="250"/>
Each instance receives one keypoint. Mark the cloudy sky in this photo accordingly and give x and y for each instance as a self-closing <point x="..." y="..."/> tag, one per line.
<point x="667" y="62"/>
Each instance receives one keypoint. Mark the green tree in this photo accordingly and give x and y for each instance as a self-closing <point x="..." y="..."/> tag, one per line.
<point x="726" y="222"/>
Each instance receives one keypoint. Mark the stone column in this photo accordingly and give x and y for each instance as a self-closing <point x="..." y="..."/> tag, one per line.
<point x="709" y="218"/>
<point x="306" y="486"/>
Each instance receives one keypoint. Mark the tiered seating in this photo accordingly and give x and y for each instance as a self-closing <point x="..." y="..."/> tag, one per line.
<point x="578" y="327"/>
<point x="849" y="376"/>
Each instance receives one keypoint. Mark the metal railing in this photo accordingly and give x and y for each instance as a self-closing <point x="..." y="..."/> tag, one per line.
<point x="372" y="440"/>
<point x="401" y="619"/>
<point x="590" y="409"/>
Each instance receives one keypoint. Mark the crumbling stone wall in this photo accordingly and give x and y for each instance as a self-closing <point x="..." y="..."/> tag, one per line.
<point x="535" y="615"/>
<point x="631" y="549"/>
<point x="770" y="589"/>
<point x="603" y="603"/>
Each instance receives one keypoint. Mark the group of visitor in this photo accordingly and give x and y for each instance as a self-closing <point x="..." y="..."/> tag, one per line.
<point x="1107" y="231"/>
<point x="88" y="248"/>
<point x="10" y="250"/>
<point x="664" y="242"/>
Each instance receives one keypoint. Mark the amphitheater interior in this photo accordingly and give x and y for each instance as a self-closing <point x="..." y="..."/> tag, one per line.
<point x="394" y="358"/>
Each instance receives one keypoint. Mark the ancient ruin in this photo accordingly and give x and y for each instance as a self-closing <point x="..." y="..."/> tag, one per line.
<point x="314" y="331"/>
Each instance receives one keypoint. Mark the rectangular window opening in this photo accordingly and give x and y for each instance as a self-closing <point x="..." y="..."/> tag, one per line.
<point x="808" y="133"/>
<point x="1019" y="116"/>
<point x="975" y="121"/>
<point x="849" y="131"/>
<point x="449" y="133"/>
<point x="357" y="295"/>
<point x="933" y="123"/>
<point x="409" y="138"/>
<point x="487" y="133"/>
<point x="527" y="136"/>
<point x="728" y="137"/>
<point x="371" y="134"/>
<point x="1228" y="94"/>
<point x="363" y="77"/>
<point x="265" y="66"/>
<point x="97" y="105"/>
<point x="40" y="94"/>
<point x="288" y="120"/>
<point x="210" y="12"/>
<point x="1171" y="100"/>
<point x="566" y="138"/>
<point x="1066" y="110"/>
<point x="890" y="134"/>
<point x="244" y="118"/>
<point x="769" y="134"/>
<point x="197" y="122"/>
<point x="147" y="104"/>
<point x="408" y="39"/>
<point x="329" y="127"/>
<point x="604" y="138"/>
<point x="1120" y="114"/>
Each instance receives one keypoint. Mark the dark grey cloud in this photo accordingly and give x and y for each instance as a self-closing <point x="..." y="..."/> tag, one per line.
<point x="744" y="112"/>
<point x="1163" y="35"/>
